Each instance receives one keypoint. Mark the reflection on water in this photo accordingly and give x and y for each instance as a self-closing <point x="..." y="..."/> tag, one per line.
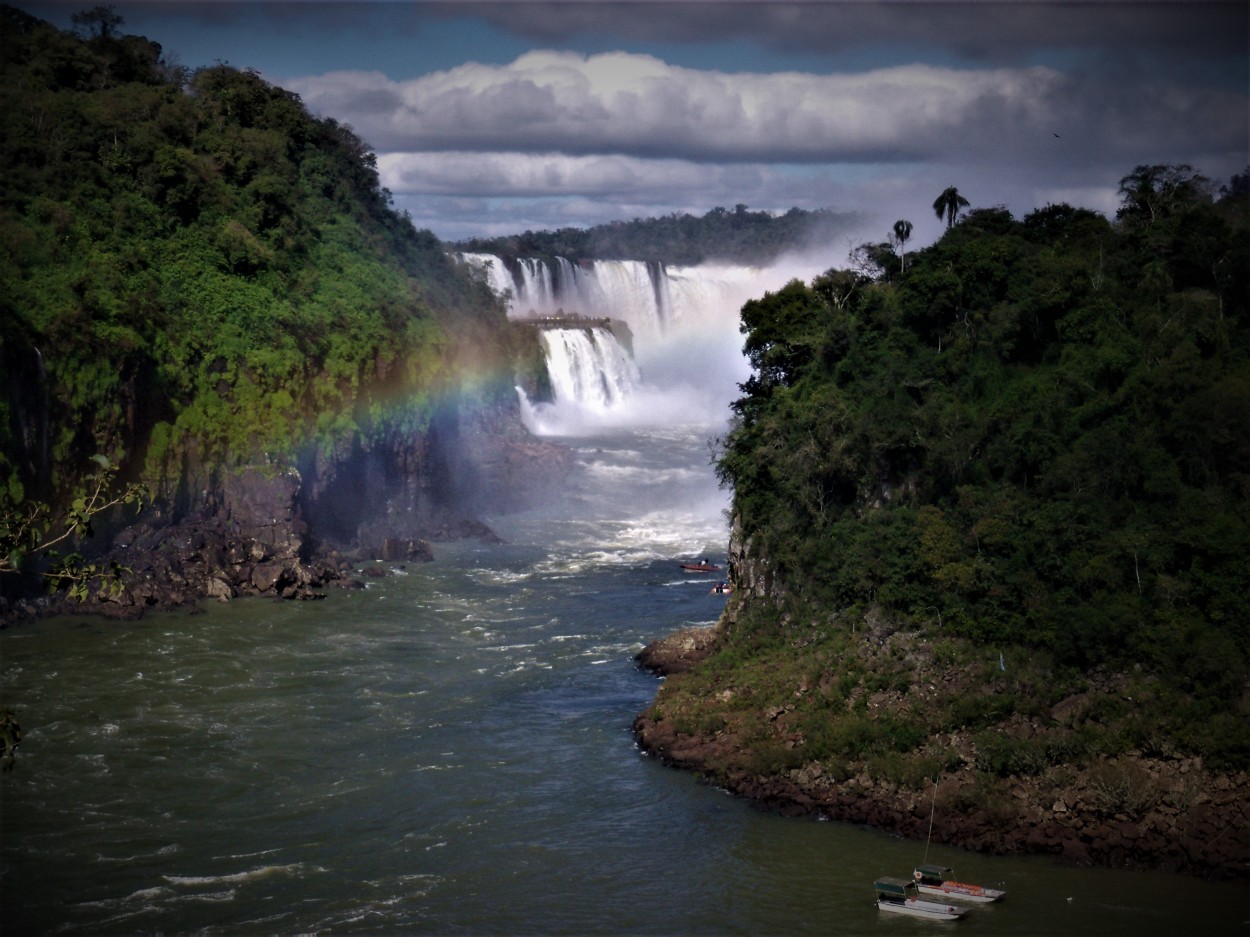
<point x="448" y="752"/>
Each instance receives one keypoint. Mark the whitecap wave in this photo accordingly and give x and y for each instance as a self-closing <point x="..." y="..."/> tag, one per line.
<point x="235" y="878"/>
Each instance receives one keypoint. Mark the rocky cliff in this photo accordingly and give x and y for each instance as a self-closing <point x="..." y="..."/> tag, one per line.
<point x="290" y="530"/>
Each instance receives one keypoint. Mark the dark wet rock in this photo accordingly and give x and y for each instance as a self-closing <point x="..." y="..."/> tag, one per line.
<point x="678" y="652"/>
<point x="292" y="530"/>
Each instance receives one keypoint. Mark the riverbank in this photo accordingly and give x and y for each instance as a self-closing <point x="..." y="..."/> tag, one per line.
<point x="271" y="531"/>
<point x="1161" y="810"/>
<point x="255" y="544"/>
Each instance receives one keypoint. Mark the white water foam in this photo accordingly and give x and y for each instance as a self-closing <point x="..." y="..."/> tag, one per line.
<point x="687" y="346"/>
<point x="235" y="878"/>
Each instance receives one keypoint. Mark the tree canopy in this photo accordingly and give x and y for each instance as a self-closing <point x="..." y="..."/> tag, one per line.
<point x="738" y="236"/>
<point x="1036" y="435"/>
<point x="190" y="261"/>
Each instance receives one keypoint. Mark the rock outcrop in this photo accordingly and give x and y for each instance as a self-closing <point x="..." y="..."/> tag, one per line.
<point x="1129" y="811"/>
<point x="290" y="530"/>
<point x="678" y="652"/>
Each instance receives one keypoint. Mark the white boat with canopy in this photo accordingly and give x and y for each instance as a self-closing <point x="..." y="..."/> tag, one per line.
<point x="901" y="897"/>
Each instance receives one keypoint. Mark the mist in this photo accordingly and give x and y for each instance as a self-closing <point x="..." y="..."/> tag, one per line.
<point x="687" y="341"/>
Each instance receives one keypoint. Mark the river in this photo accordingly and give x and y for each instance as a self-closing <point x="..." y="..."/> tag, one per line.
<point x="449" y="752"/>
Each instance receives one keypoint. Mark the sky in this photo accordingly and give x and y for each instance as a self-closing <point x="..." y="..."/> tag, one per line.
<point x="496" y="118"/>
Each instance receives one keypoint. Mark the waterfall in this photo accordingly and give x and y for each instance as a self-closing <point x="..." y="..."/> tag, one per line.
<point x="630" y="290"/>
<point x="497" y="275"/>
<point x="588" y="367"/>
<point x="687" y="350"/>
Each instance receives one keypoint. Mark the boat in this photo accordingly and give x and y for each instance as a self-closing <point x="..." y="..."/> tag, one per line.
<point x="701" y="567"/>
<point x="939" y="880"/>
<point x="901" y="896"/>
<point x="724" y="587"/>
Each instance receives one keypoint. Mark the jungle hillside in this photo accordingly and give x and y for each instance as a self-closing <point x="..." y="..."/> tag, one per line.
<point x="196" y="271"/>
<point x="991" y="523"/>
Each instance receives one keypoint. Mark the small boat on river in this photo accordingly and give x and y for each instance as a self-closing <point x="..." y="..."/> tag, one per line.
<point x="901" y="897"/>
<point x="703" y="566"/>
<point x="939" y="880"/>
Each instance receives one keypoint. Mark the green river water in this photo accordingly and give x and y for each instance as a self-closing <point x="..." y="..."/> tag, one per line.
<point x="448" y="752"/>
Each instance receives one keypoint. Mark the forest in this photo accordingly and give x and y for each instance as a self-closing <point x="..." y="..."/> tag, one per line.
<point x="1030" y="440"/>
<point x="741" y="236"/>
<point x="1029" y="436"/>
<point x="193" y="267"/>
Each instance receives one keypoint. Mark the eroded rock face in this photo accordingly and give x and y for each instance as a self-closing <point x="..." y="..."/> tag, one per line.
<point x="247" y="538"/>
<point x="749" y="569"/>
<point x="281" y="531"/>
<point x="678" y="652"/>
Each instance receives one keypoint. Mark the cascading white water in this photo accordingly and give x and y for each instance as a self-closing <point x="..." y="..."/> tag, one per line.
<point x="629" y="290"/>
<point x="684" y="321"/>
<point x="588" y="366"/>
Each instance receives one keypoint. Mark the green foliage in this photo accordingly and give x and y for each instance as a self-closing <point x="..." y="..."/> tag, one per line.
<point x="10" y="739"/>
<point x="1005" y="756"/>
<point x="191" y="262"/>
<point x="1123" y="789"/>
<point x="32" y="536"/>
<point x="738" y="236"/>
<point x="1036" y="434"/>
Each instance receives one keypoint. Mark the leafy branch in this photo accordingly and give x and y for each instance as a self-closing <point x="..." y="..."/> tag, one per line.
<point x="36" y="531"/>
<point x="10" y="738"/>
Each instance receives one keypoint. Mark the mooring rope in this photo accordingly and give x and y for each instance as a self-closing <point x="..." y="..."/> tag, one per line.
<point x="932" y="808"/>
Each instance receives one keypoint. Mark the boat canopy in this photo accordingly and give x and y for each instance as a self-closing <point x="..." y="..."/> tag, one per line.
<point x="940" y="872"/>
<point x="894" y="886"/>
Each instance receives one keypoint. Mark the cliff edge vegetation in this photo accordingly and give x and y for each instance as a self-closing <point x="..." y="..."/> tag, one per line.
<point x="200" y="280"/>
<point x="992" y="517"/>
<point x="741" y="236"/>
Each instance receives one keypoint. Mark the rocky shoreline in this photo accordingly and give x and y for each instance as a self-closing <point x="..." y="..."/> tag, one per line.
<point x="268" y="531"/>
<point x="1130" y="812"/>
<point x="258" y="546"/>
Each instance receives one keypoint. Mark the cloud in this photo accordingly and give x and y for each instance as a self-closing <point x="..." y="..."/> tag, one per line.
<point x="1005" y="31"/>
<point x="559" y="137"/>
<point x="552" y="174"/>
<point x="638" y="105"/>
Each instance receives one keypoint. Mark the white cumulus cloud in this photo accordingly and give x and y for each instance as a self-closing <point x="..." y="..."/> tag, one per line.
<point x="559" y="137"/>
<point x="638" y="105"/>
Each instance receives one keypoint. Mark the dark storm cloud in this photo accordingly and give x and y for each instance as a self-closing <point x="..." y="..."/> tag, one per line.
<point x="1010" y="31"/>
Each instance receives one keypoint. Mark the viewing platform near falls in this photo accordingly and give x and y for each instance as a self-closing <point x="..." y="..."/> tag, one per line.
<point x="571" y="320"/>
<point x="563" y="320"/>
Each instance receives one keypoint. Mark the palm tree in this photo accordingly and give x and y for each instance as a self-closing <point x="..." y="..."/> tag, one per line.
<point x="949" y="203"/>
<point x="902" y="231"/>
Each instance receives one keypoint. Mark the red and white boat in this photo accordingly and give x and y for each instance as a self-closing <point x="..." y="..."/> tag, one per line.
<point x="939" y="880"/>
<point x="701" y="567"/>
